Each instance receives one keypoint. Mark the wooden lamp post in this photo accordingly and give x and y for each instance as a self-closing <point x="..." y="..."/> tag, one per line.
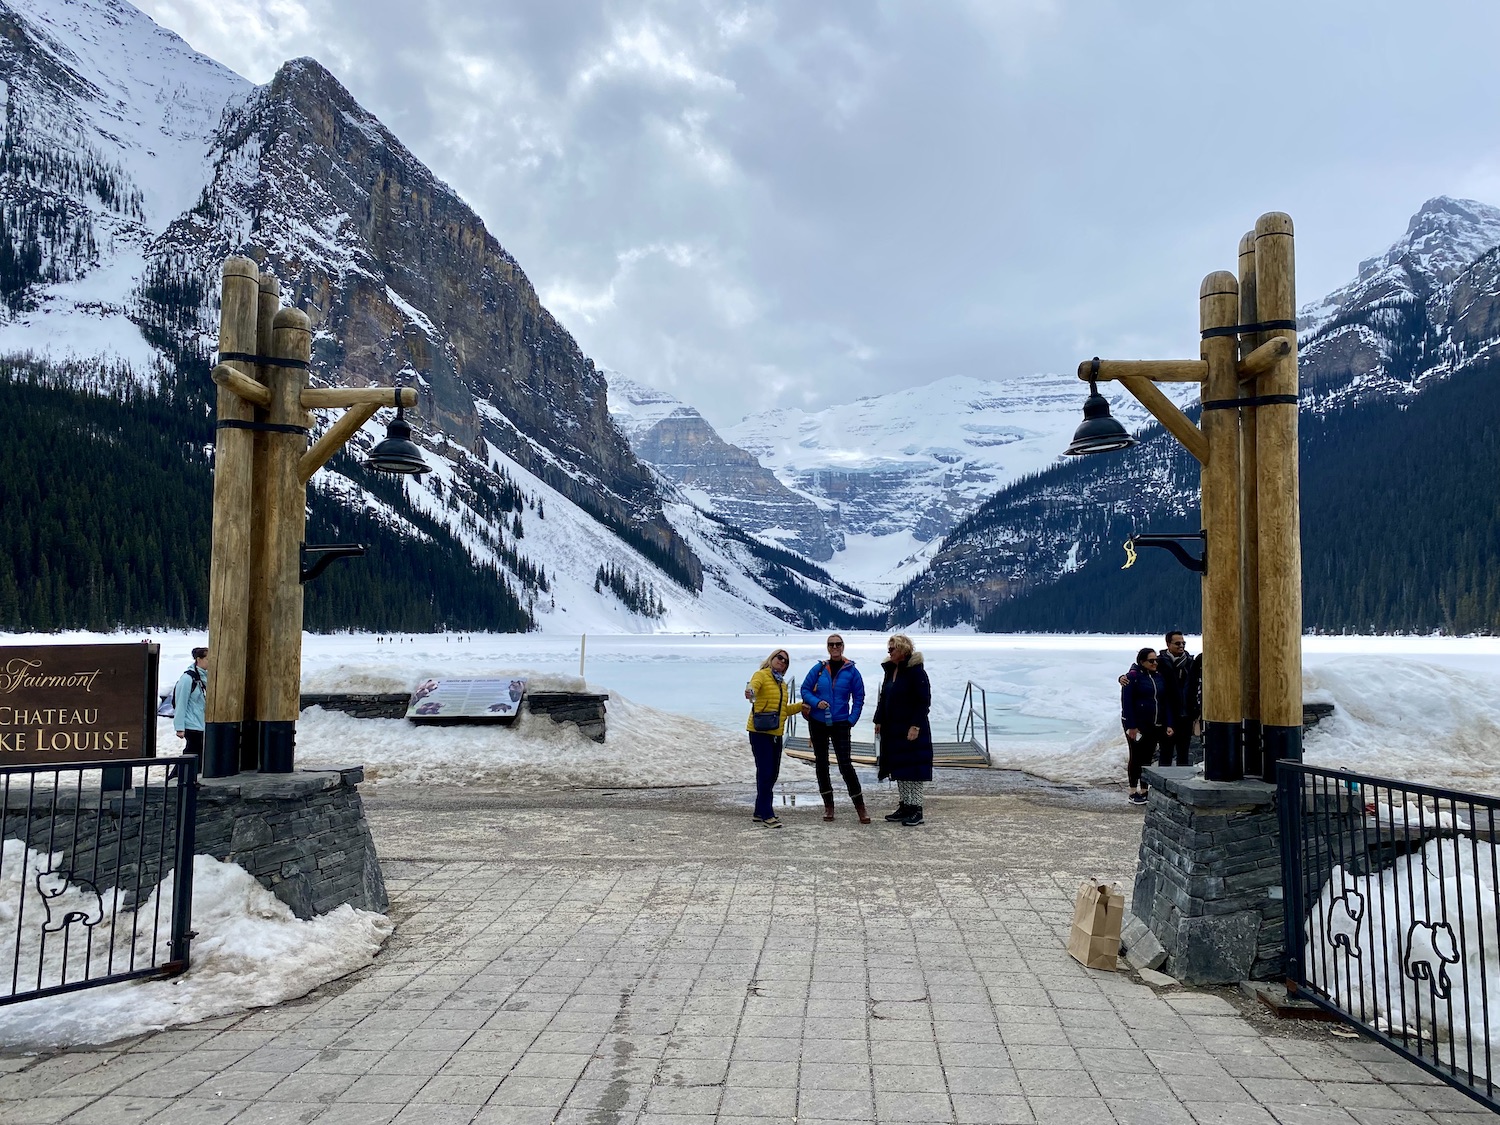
<point x="1247" y="447"/>
<point x="262" y="464"/>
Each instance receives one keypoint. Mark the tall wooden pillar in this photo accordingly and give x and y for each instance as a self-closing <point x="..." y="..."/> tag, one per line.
<point x="1278" y="502"/>
<point x="269" y="304"/>
<point x="277" y="692"/>
<point x="1218" y="309"/>
<point x="228" y="586"/>
<point x="1249" y="520"/>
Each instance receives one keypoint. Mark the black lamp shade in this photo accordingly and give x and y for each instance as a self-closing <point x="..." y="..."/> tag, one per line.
<point x="398" y="453"/>
<point x="1099" y="433"/>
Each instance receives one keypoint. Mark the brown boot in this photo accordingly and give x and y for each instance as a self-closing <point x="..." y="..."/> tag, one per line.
<point x="828" y="808"/>
<point x="859" y="807"/>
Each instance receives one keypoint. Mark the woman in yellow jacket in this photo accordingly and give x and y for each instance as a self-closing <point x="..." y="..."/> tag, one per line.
<point x="772" y="700"/>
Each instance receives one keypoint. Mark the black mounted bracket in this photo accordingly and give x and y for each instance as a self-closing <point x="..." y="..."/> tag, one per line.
<point x="1173" y="543"/>
<point x="324" y="554"/>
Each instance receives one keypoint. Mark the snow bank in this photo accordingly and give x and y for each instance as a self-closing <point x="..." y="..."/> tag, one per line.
<point x="1397" y="948"/>
<point x="643" y="747"/>
<point x="251" y="951"/>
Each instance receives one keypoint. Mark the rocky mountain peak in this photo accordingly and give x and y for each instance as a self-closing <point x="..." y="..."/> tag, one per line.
<point x="1442" y="238"/>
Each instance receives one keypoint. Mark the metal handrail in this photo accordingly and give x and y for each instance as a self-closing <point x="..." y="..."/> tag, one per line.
<point x="965" y="729"/>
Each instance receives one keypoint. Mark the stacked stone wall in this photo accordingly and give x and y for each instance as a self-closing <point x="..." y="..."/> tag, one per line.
<point x="303" y="835"/>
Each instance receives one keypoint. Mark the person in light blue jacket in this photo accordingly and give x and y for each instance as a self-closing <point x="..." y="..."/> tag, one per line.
<point x="188" y="701"/>
<point x="833" y="695"/>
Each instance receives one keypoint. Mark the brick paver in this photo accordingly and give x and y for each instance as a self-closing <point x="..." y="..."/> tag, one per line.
<point x="654" y="959"/>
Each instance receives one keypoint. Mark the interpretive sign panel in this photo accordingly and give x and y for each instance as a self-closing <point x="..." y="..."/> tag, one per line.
<point x="77" y="703"/>
<point x="469" y="700"/>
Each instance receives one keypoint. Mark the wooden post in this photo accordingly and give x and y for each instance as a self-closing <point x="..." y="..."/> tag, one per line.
<point x="1219" y="307"/>
<point x="260" y="602"/>
<point x="1278" y="504"/>
<point x="1249" y="519"/>
<point x="279" y="689"/>
<point x="229" y="562"/>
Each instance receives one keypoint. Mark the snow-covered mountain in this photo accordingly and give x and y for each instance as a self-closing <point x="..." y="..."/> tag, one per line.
<point x="134" y="165"/>
<point x="717" y="477"/>
<point x="108" y="123"/>
<point x="900" y="470"/>
<point x="1426" y="310"/>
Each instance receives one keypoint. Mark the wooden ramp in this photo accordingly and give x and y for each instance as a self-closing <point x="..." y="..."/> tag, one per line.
<point x="967" y="751"/>
<point x="962" y="755"/>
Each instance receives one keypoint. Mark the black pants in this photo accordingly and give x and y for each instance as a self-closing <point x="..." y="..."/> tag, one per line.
<point x="1176" y="748"/>
<point x="1141" y="751"/>
<point x="193" y="744"/>
<point x="821" y="734"/>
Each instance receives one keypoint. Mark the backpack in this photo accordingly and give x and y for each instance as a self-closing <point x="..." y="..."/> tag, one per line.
<point x="166" y="706"/>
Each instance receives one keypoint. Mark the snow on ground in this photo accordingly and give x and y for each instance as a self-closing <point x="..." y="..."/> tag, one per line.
<point x="644" y="747"/>
<point x="1388" y="948"/>
<point x="250" y="952"/>
<point x="1421" y="709"/>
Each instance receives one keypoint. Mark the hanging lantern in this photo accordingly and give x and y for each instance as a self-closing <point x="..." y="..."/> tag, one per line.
<point x="398" y="453"/>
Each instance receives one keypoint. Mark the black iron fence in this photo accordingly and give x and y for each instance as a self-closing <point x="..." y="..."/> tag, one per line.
<point x="96" y="873"/>
<point x="1391" y="915"/>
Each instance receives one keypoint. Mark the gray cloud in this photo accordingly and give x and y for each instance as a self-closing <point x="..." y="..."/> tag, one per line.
<point x="797" y="203"/>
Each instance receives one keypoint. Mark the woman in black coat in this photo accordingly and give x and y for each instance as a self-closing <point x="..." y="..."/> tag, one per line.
<point x="903" y="729"/>
<point x="1146" y="716"/>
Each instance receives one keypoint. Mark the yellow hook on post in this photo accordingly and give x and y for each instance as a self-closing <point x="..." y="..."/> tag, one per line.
<point x="1129" y="554"/>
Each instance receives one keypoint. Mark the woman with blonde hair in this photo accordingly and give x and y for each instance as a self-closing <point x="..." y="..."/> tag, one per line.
<point x="903" y="729"/>
<point x="771" y="702"/>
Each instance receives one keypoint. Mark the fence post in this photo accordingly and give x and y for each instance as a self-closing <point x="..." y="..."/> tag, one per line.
<point x="1289" y="813"/>
<point x="182" y="875"/>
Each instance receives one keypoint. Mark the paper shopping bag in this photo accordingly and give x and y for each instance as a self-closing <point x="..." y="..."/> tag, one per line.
<point x="1097" y="912"/>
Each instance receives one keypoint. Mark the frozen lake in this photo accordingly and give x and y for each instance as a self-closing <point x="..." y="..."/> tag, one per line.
<point x="1418" y="708"/>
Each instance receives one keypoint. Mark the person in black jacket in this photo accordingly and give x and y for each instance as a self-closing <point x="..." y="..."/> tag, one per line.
<point x="1180" y="675"/>
<point x="902" y="726"/>
<point x="1146" y="716"/>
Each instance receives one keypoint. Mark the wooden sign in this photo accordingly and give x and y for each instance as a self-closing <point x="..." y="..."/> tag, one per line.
<point x="77" y="703"/>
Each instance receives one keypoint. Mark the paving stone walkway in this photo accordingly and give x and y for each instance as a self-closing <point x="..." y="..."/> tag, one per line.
<point x="619" y="958"/>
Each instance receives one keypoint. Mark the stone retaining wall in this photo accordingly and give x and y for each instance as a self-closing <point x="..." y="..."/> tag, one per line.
<point x="386" y="705"/>
<point x="302" y="834"/>
<point x="581" y="708"/>
<point x="1208" y="884"/>
<point x="587" y="711"/>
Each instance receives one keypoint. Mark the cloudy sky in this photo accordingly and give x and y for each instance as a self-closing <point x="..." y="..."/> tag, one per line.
<point x="799" y="202"/>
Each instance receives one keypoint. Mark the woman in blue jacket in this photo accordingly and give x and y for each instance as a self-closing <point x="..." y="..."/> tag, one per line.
<point x="1145" y="715"/>
<point x="833" y="692"/>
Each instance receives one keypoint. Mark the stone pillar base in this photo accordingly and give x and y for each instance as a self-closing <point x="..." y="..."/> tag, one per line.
<point x="303" y="835"/>
<point x="1208" y="884"/>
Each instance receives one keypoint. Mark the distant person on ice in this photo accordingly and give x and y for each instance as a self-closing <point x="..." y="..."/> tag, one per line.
<point x="833" y="694"/>
<point x="187" y="704"/>
<point x="771" y="702"/>
<point x="1145" y="714"/>
<point x="903" y="729"/>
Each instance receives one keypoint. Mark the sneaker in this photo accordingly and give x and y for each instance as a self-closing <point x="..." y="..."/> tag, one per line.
<point x="771" y="822"/>
<point x="1138" y="798"/>
<point x="914" y="818"/>
<point x="901" y="813"/>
